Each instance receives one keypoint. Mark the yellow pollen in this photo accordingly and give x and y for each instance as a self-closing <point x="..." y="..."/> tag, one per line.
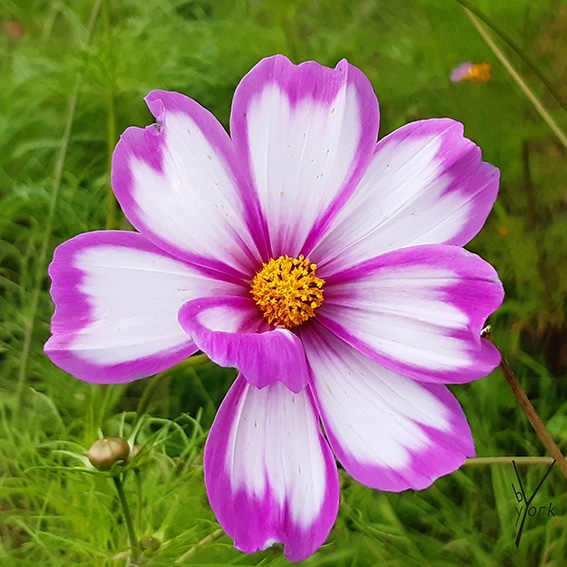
<point x="287" y="291"/>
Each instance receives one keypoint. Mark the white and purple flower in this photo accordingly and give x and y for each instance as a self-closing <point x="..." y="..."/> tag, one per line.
<point x="326" y="267"/>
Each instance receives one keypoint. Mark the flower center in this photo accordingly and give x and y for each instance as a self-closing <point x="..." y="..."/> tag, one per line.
<point x="287" y="291"/>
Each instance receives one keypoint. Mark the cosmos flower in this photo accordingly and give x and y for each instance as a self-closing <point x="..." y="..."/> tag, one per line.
<point x="472" y="72"/>
<point x="324" y="266"/>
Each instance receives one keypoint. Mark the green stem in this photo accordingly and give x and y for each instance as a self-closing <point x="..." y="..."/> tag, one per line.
<point x="111" y="127"/>
<point x="205" y="541"/>
<point x="155" y="382"/>
<point x="547" y="118"/>
<point x="138" y="479"/>
<point x="42" y="255"/>
<point x="111" y="199"/>
<point x="529" y="410"/>
<point x="195" y="360"/>
<point x="481" y="461"/>
<point x="128" y="518"/>
<point x="148" y="394"/>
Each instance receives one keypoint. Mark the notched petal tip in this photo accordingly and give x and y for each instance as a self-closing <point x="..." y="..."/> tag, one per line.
<point x="179" y="184"/>
<point x="155" y="104"/>
<point x="270" y="474"/>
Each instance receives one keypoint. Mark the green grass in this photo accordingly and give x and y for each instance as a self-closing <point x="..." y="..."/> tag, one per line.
<point x="71" y="82"/>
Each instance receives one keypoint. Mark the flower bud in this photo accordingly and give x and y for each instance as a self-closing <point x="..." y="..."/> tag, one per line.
<point x="105" y="452"/>
<point x="149" y="543"/>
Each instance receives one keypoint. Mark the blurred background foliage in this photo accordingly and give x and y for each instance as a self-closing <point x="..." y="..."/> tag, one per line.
<point x="73" y="76"/>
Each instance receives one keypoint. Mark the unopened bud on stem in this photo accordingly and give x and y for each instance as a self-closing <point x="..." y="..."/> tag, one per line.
<point x="105" y="452"/>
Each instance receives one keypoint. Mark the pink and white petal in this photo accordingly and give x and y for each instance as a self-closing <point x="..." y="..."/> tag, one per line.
<point x="426" y="184"/>
<point x="270" y="474"/>
<point x="306" y="134"/>
<point x="179" y="184"/>
<point x="232" y="332"/>
<point x="388" y="432"/>
<point x="116" y="301"/>
<point x="418" y="311"/>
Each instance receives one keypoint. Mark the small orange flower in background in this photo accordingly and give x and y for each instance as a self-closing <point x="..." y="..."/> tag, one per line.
<point x="13" y="28"/>
<point x="472" y="72"/>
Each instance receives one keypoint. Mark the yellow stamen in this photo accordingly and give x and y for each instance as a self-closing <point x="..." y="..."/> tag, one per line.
<point x="287" y="291"/>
